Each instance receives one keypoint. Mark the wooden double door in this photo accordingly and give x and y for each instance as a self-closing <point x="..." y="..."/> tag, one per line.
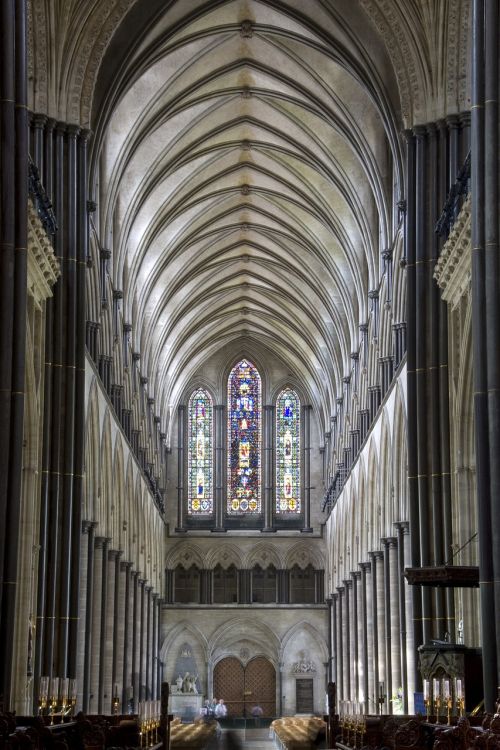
<point x="245" y="686"/>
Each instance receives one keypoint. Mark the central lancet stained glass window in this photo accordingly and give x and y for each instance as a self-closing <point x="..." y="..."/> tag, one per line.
<point x="200" y="454"/>
<point x="244" y="439"/>
<point x="288" y="452"/>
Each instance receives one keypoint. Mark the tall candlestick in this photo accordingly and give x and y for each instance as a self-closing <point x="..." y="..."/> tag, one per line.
<point x="435" y="689"/>
<point x="446" y="689"/>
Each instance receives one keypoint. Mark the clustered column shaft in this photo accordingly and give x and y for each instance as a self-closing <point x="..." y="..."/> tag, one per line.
<point x="368" y="635"/>
<point x="486" y="326"/>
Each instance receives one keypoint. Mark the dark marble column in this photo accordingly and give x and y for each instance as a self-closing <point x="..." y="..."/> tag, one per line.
<point x="220" y="466"/>
<point x="399" y="342"/>
<point x="269" y="491"/>
<point x="169" y="586"/>
<point x="485" y="325"/>
<point x="88" y="615"/>
<point x="13" y="291"/>
<point x="283" y="586"/>
<point x="306" y="417"/>
<point x="374" y="400"/>
<point x="207" y="586"/>
<point x="412" y="414"/>
<point x="181" y="419"/>
<point x="244" y="586"/>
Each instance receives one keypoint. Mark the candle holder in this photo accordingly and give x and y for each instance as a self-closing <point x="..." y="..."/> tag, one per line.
<point x="437" y="706"/>
<point x="381" y="697"/>
<point x="53" y="706"/>
<point x="43" y="695"/>
<point x="54" y="697"/>
<point x="72" y="696"/>
<point x="449" y="704"/>
<point x="427" y="704"/>
<point x="460" y="706"/>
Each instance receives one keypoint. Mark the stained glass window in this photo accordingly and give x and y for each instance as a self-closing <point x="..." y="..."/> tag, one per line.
<point x="288" y="452"/>
<point x="200" y="454"/>
<point x="244" y="439"/>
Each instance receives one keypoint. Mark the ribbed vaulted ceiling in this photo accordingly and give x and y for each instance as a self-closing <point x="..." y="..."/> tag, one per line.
<point x="249" y="166"/>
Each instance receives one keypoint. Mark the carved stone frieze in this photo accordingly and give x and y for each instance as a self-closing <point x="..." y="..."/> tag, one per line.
<point x="43" y="266"/>
<point x="453" y="269"/>
<point x="383" y="16"/>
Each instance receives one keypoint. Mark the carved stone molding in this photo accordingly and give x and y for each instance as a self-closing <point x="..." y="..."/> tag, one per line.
<point x="453" y="269"/>
<point x="43" y="266"/>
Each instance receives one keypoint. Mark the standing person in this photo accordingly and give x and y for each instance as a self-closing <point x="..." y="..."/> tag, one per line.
<point x="205" y="710"/>
<point x="220" y="709"/>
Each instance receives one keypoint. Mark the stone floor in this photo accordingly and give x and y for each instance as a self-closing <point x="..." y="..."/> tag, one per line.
<point x="247" y="739"/>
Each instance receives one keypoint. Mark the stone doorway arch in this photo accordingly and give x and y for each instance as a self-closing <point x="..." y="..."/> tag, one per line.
<point x="245" y="686"/>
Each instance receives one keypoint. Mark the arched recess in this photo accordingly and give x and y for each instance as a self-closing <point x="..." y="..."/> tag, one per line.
<point x="128" y="518"/>
<point x="244" y="439"/>
<point x="363" y="515"/>
<point x="246" y="686"/>
<point x="200" y="451"/>
<point x="224" y="555"/>
<point x="303" y="654"/>
<point x="185" y="555"/>
<point x="248" y="633"/>
<point x="372" y="496"/>
<point x="117" y="505"/>
<point x="106" y="478"/>
<point x="303" y="554"/>
<point x="263" y="554"/>
<point x="185" y="632"/>
<point x="92" y="456"/>
<point x="385" y="475"/>
<point x="400" y="461"/>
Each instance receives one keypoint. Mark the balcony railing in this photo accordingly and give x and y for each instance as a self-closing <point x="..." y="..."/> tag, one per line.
<point x="41" y="200"/>
<point x="459" y="190"/>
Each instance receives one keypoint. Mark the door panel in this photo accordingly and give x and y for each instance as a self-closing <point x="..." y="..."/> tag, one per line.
<point x="260" y="686"/>
<point x="242" y="688"/>
<point x="229" y="683"/>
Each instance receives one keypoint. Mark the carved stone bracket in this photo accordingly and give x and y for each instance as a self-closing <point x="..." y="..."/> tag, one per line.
<point x="453" y="269"/>
<point x="43" y="266"/>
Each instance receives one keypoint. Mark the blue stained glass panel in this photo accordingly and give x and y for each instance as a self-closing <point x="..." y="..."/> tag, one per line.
<point x="244" y="440"/>
<point x="288" y="452"/>
<point x="200" y="454"/>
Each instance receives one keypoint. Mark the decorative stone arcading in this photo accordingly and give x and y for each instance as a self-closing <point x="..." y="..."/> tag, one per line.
<point x="383" y="15"/>
<point x="43" y="266"/>
<point x="104" y="24"/>
<point x="415" y="54"/>
<point x="453" y="269"/>
<point x="75" y="81"/>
